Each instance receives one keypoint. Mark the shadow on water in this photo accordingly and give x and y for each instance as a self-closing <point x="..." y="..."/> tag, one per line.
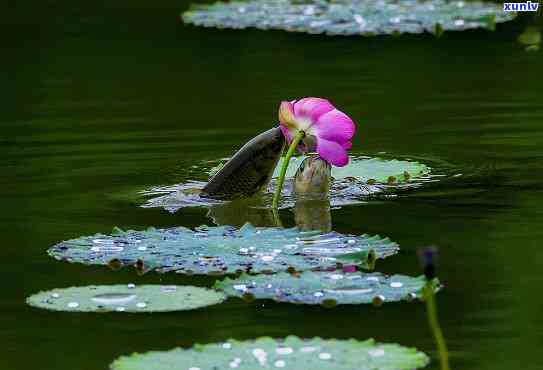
<point x="100" y="97"/>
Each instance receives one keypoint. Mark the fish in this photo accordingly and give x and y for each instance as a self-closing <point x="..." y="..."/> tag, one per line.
<point x="250" y="170"/>
<point x="311" y="190"/>
<point x="313" y="178"/>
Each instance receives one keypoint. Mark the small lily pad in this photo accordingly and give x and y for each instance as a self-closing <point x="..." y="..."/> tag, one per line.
<point x="126" y="298"/>
<point x="225" y="249"/>
<point x="364" y="169"/>
<point x="291" y="353"/>
<point x="325" y="287"/>
<point x="349" y="17"/>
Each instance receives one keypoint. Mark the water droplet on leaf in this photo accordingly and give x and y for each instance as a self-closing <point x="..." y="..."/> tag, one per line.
<point x="376" y="352"/>
<point x="113" y="298"/>
<point x="284" y="351"/>
<point x="325" y="356"/>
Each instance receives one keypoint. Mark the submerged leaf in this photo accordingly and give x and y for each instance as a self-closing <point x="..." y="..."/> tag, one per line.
<point x="349" y="17"/>
<point x="291" y="353"/>
<point x="530" y="38"/>
<point x="126" y="298"/>
<point x="324" y="287"/>
<point x="225" y="249"/>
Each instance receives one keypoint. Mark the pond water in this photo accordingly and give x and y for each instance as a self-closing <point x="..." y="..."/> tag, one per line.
<point x="105" y="99"/>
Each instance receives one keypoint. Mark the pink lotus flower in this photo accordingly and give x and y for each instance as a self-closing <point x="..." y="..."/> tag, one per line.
<point x="327" y="130"/>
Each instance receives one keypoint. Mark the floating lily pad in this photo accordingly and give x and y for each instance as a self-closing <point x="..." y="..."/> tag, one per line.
<point x="224" y="250"/>
<point x="349" y="17"/>
<point x="364" y="169"/>
<point x="126" y="298"/>
<point x="363" y="177"/>
<point x="290" y="353"/>
<point x="325" y="287"/>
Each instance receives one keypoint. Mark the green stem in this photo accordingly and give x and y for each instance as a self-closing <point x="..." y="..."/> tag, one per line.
<point x="431" y="311"/>
<point x="277" y="218"/>
<point x="280" y="181"/>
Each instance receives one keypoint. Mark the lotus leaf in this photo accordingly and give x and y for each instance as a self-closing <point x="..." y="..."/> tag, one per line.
<point x="289" y="353"/>
<point x="224" y="249"/>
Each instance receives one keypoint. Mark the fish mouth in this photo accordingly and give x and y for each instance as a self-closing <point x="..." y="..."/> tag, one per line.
<point x="312" y="180"/>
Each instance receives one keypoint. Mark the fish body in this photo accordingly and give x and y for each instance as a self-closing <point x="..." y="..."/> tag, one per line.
<point x="312" y="179"/>
<point x="250" y="170"/>
<point x="311" y="189"/>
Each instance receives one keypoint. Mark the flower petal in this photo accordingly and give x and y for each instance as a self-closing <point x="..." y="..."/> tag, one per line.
<point x="312" y="108"/>
<point x="332" y="152"/>
<point x="347" y="145"/>
<point x="286" y="115"/>
<point x="286" y="133"/>
<point x="334" y="125"/>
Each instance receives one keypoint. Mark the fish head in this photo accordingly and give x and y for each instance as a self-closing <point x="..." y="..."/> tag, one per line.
<point x="312" y="180"/>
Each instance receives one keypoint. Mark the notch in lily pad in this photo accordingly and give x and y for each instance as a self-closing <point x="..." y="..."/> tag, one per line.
<point x="289" y="353"/>
<point x="225" y="250"/>
<point x="126" y="298"/>
<point x="327" y="288"/>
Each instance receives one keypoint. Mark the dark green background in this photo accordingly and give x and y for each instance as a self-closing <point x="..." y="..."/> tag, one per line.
<point x="104" y="98"/>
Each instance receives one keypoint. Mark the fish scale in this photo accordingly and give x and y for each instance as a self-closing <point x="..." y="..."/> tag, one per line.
<point x="250" y="170"/>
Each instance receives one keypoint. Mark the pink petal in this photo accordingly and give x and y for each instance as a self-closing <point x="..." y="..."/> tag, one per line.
<point x="302" y="147"/>
<point x="286" y="133"/>
<point x="332" y="152"/>
<point x="286" y="115"/>
<point x="335" y="125"/>
<point x="347" y="145"/>
<point x="350" y="268"/>
<point x="312" y="108"/>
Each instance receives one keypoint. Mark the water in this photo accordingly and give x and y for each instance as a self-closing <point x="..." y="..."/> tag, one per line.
<point x="103" y="100"/>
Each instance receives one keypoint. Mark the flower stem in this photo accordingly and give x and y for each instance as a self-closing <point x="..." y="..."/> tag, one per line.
<point x="431" y="311"/>
<point x="277" y="218"/>
<point x="281" y="179"/>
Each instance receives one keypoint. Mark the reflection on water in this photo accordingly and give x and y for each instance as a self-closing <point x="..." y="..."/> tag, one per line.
<point x="99" y="98"/>
<point x="241" y="211"/>
<point x="313" y="215"/>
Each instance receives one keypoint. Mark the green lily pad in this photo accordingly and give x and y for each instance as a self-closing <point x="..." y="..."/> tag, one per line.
<point x="126" y="298"/>
<point x="291" y="353"/>
<point x="325" y="287"/>
<point x="224" y="249"/>
<point x="349" y="17"/>
<point x="366" y="169"/>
